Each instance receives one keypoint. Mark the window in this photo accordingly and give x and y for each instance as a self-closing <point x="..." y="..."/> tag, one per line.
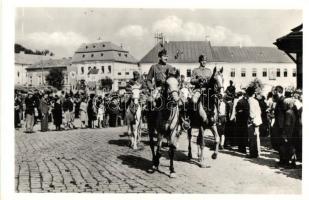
<point x="243" y="72"/>
<point x="119" y="73"/>
<point x="119" y="54"/>
<point x="17" y="74"/>
<point x="188" y="72"/>
<point x="103" y="45"/>
<point x="126" y="55"/>
<point x="102" y="54"/>
<point x="82" y="70"/>
<point x="93" y="46"/>
<point x="264" y="73"/>
<point x="278" y="72"/>
<point x="102" y="69"/>
<point x="91" y="55"/>
<point x="232" y="72"/>
<point x="127" y="73"/>
<point x="109" y="69"/>
<point x="294" y="72"/>
<point x="285" y="72"/>
<point x="86" y="47"/>
<point x="83" y="55"/>
<point x="254" y="72"/>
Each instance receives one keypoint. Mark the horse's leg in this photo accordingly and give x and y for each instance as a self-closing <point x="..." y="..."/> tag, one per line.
<point x="139" y="125"/>
<point x="201" y="144"/>
<point x="171" y="155"/>
<point x="189" y="140"/>
<point x="158" y="153"/>
<point x="151" y="132"/>
<point x="134" y="136"/>
<point x="217" y="141"/>
<point x="130" y="132"/>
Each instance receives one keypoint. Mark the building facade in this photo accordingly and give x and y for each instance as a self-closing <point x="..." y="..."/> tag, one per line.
<point x="36" y="73"/>
<point x="240" y="64"/>
<point x="22" y="62"/>
<point x="95" y="61"/>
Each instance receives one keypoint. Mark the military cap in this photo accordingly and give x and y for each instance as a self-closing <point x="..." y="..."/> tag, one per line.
<point x="202" y="57"/>
<point x="163" y="52"/>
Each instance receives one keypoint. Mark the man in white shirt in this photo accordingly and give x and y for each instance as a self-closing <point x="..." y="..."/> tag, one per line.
<point x="255" y="121"/>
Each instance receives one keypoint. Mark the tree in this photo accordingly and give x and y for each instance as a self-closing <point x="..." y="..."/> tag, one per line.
<point x="18" y="48"/>
<point x="106" y="83"/>
<point x="55" y="78"/>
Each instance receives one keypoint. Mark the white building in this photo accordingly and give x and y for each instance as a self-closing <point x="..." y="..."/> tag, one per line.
<point x="36" y="73"/>
<point x="240" y="64"/>
<point x="22" y="62"/>
<point x="108" y="60"/>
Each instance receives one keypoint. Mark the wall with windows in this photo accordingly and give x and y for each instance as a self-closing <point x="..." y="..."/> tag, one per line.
<point x="37" y="77"/>
<point x="20" y="74"/>
<point x="243" y="73"/>
<point x="118" y="72"/>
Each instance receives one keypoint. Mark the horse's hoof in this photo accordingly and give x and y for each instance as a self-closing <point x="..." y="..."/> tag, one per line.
<point x="203" y="164"/>
<point x="173" y="175"/>
<point x="151" y="170"/>
<point x="214" y="156"/>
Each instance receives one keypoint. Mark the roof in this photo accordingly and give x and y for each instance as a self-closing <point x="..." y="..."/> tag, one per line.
<point x="29" y="59"/>
<point x="102" y="51"/>
<point x="180" y="52"/>
<point x="189" y="51"/>
<point x="249" y="54"/>
<point x="51" y="63"/>
<point x="292" y="42"/>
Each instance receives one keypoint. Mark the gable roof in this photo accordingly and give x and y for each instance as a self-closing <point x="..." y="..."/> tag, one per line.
<point x="102" y="51"/>
<point x="180" y="52"/>
<point x="189" y="51"/>
<point x="249" y="54"/>
<point x="29" y="59"/>
<point x="51" y="63"/>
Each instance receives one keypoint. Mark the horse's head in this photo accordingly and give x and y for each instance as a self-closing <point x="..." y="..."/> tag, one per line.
<point x="136" y="93"/>
<point x="218" y="80"/>
<point x="173" y="84"/>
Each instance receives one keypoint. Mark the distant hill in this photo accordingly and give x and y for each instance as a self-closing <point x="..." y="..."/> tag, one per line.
<point x="18" y="48"/>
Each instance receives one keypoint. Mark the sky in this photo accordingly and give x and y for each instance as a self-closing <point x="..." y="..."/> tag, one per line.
<point x="63" y="30"/>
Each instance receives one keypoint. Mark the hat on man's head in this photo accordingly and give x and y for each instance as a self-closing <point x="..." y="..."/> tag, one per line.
<point x="202" y="57"/>
<point x="163" y="52"/>
<point x="135" y="73"/>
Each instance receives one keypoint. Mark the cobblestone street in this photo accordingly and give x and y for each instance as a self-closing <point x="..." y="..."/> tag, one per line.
<point x="99" y="160"/>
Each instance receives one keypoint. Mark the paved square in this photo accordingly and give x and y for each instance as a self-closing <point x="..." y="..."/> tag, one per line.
<point x="99" y="160"/>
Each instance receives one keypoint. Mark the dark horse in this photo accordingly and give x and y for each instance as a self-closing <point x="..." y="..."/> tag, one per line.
<point x="163" y="117"/>
<point x="208" y="101"/>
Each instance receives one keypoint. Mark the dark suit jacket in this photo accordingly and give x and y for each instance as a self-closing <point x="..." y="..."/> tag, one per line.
<point x="280" y="112"/>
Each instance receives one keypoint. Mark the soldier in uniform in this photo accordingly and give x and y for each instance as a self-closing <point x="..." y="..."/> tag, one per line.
<point x="200" y="77"/>
<point x="157" y="74"/>
<point x="156" y="79"/>
<point x="134" y="83"/>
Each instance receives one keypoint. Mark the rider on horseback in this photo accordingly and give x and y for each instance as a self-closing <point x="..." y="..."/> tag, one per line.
<point x="200" y="78"/>
<point x="134" y="83"/>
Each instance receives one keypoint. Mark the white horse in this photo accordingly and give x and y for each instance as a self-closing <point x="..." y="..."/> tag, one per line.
<point x="134" y="117"/>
